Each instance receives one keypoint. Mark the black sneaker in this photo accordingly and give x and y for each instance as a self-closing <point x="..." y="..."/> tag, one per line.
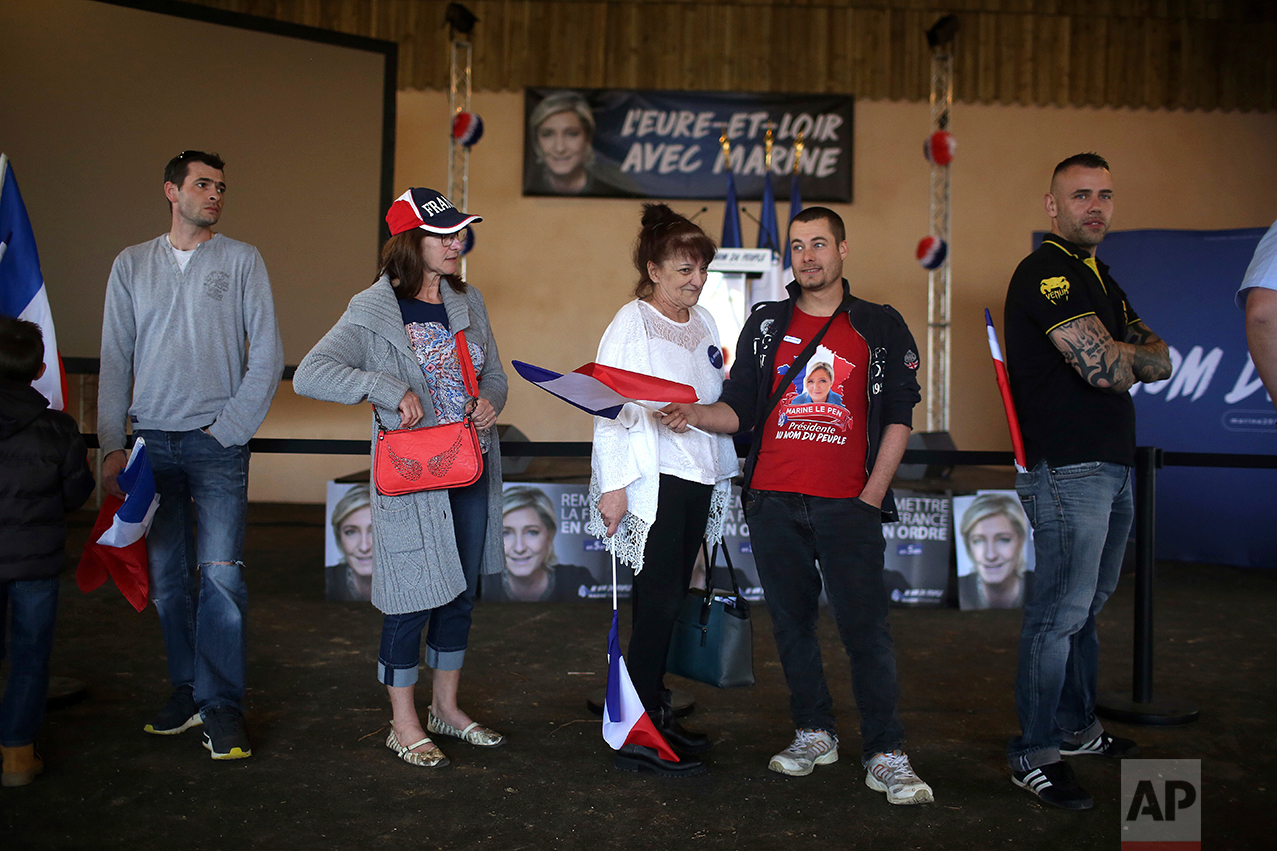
<point x="224" y="733"/>
<point x="1112" y="747"/>
<point x="178" y="715"/>
<point x="1055" y="784"/>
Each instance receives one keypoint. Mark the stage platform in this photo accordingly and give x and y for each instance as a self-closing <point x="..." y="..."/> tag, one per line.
<point x="321" y="776"/>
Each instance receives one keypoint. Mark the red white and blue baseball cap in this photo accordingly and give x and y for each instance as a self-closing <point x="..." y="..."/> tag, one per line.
<point x="428" y="210"/>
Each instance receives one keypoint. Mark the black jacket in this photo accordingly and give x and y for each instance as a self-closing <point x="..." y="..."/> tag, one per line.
<point x="44" y="473"/>
<point x="892" y="380"/>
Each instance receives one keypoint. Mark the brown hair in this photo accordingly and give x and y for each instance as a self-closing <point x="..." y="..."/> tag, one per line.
<point x="401" y="261"/>
<point x="817" y="214"/>
<point x="666" y="234"/>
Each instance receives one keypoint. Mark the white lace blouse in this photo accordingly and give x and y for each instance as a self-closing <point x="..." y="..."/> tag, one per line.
<point x="633" y="450"/>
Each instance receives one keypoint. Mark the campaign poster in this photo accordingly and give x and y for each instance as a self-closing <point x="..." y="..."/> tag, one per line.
<point x="666" y="144"/>
<point x="548" y="553"/>
<point x="916" y="559"/>
<point x="349" y="555"/>
<point x="995" y="550"/>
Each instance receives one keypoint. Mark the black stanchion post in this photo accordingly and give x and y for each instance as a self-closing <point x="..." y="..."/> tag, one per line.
<point x="1142" y="708"/>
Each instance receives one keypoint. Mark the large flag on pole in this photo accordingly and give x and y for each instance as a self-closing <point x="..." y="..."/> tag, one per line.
<point x="768" y="234"/>
<point x="603" y="390"/>
<point x="1004" y="387"/>
<point x="795" y="207"/>
<point x="22" y="292"/>
<point x="117" y="545"/>
<point x="731" y="216"/>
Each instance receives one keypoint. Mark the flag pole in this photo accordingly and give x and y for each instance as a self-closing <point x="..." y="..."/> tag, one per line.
<point x="1004" y="387"/>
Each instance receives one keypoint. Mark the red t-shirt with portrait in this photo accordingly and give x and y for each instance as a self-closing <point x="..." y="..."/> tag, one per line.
<point x="816" y="440"/>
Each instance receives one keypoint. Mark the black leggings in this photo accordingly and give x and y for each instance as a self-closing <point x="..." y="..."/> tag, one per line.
<point x="682" y="510"/>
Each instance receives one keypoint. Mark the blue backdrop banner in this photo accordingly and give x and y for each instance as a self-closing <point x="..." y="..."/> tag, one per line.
<point x="665" y="144"/>
<point x="1182" y="283"/>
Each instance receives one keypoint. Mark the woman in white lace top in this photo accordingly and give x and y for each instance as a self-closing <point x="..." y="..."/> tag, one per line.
<point x="654" y="493"/>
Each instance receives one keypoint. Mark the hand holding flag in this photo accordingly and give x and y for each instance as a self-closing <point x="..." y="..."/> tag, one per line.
<point x="603" y="390"/>
<point x="117" y="545"/>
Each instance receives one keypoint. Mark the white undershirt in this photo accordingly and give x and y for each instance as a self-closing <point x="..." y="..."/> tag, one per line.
<point x="182" y="257"/>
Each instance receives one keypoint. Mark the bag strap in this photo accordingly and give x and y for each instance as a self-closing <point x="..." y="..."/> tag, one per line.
<point x="467" y="374"/>
<point x="799" y="363"/>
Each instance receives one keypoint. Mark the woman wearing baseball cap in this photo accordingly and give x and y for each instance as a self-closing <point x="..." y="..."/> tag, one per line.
<point x="395" y="347"/>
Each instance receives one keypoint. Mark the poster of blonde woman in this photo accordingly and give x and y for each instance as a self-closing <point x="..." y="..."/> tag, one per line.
<point x="349" y="554"/>
<point x="995" y="556"/>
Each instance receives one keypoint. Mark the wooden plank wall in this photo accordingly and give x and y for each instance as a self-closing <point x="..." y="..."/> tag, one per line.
<point x="1157" y="54"/>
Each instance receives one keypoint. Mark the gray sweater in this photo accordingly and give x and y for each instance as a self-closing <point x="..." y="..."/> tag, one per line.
<point x="183" y="349"/>
<point x="366" y="357"/>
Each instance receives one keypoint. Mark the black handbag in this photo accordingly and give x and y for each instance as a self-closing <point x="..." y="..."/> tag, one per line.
<point x="713" y="640"/>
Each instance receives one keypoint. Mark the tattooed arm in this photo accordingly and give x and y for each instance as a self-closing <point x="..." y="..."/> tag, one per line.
<point x="1108" y="364"/>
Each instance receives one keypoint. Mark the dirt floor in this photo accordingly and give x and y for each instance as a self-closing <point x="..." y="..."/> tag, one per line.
<point x="321" y="776"/>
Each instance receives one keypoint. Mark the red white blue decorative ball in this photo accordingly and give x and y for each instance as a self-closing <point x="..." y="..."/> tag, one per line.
<point x="939" y="147"/>
<point x="932" y="251"/>
<point x="467" y="245"/>
<point x="467" y="128"/>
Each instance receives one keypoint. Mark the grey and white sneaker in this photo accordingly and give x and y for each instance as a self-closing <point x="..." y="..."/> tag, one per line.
<point x="892" y="773"/>
<point x="808" y="749"/>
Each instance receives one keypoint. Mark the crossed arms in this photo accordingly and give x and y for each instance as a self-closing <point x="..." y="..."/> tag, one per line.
<point x="1111" y="365"/>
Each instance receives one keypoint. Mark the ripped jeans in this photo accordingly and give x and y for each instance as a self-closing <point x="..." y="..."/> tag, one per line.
<point x="195" y="548"/>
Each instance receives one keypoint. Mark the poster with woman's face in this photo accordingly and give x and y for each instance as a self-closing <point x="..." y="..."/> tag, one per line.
<point x="349" y="554"/>
<point x="995" y="550"/>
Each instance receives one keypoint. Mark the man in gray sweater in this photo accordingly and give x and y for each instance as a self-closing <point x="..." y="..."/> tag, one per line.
<point x="191" y="357"/>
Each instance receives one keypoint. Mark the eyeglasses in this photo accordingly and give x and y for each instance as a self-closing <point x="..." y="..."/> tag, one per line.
<point x="461" y="236"/>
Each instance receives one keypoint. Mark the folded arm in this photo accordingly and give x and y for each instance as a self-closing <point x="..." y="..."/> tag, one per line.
<point x="1111" y="365"/>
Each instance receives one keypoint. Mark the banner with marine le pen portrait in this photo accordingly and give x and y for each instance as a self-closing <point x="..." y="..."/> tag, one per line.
<point x="669" y="144"/>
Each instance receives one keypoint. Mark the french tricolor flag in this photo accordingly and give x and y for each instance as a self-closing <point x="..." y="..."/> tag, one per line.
<point x="625" y="721"/>
<point x="22" y="292"/>
<point x="603" y="390"/>
<point x="1004" y="387"/>
<point x="117" y="545"/>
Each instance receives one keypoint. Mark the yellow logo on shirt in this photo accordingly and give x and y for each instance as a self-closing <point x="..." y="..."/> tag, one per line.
<point x="1056" y="289"/>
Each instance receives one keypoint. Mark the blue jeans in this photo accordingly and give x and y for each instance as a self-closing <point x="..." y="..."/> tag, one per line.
<point x="195" y="548"/>
<point x="35" y="608"/>
<point x="1081" y="516"/>
<point x="448" y="630"/>
<point x="790" y="533"/>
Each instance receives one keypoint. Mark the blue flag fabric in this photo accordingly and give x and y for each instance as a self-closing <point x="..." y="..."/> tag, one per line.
<point x="731" y="217"/>
<point x="795" y="207"/>
<point x="768" y="234"/>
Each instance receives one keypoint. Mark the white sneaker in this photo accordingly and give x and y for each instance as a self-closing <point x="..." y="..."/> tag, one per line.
<point x="808" y="749"/>
<point x="892" y="773"/>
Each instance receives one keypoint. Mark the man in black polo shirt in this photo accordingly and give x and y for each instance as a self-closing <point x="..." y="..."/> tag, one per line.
<point x="1074" y="348"/>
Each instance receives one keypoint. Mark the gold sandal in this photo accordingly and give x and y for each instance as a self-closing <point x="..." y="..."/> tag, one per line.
<point x="431" y="758"/>
<point x="475" y="734"/>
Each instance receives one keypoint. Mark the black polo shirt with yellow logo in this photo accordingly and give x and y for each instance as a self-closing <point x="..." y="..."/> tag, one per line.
<point x="1064" y="419"/>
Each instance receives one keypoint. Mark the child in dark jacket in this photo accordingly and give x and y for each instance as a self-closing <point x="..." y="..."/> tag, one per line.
<point x="44" y="473"/>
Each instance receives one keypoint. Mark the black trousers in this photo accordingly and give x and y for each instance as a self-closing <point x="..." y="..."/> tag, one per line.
<point x="682" y="510"/>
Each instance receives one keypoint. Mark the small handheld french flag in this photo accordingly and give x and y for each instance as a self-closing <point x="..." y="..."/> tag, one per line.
<point x="117" y="545"/>
<point x="603" y="390"/>
<point x="625" y="721"/>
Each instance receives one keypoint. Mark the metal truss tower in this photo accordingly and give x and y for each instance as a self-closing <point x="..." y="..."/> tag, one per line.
<point x="459" y="154"/>
<point x="939" y="280"/>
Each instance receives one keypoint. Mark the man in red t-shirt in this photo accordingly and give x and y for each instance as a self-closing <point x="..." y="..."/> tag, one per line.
<point x="817" y="490"/>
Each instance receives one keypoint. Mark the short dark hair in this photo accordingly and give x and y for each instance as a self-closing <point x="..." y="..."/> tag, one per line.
<point x="1087" y="160"/>
<point x="666" y="234"/>
<point x="21" y="350"/>
<point x="815" y="214"/>
<point x="403" y="263"/>
<point x="175" y="171"/>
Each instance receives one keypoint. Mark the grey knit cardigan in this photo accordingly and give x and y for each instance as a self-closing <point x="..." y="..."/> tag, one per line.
<point x="367" y="357"/>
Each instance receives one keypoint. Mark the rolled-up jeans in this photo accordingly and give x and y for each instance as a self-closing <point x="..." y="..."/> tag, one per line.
<point x="195" y="548"/>
<point x="1081" y="516"/>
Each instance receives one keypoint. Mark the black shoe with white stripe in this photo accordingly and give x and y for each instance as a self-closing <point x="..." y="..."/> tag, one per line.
<point x="1112" y="747"/>
<point x="1055" y="784"/>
